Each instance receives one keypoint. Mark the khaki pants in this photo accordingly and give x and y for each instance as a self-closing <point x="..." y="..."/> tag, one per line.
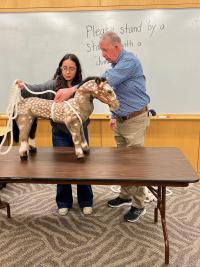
<point x="131" y="133"/>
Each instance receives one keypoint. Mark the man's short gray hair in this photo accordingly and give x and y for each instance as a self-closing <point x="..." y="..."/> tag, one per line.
<point x="112" y="36"/>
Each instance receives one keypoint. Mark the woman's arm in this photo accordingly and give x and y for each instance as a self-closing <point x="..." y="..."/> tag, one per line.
<point x="49" y="85"/>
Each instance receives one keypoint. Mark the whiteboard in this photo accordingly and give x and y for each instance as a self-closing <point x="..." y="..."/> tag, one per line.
<point x="166" y="41"/>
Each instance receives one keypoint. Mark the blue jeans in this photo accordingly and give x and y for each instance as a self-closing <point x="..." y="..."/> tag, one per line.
<point x="61" y="137"/>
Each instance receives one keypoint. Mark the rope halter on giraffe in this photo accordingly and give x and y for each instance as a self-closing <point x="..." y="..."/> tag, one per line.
<point x="11" y="112"/>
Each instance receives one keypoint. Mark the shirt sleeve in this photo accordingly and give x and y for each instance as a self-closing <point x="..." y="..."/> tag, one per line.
<point x="49" y="85"/>
<point x="120" y="72"/>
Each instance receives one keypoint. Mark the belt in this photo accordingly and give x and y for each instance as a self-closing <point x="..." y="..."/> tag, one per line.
<point x="132" y="114"/>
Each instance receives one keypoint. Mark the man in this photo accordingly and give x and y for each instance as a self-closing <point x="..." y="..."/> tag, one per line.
<point x="130" y="120"/>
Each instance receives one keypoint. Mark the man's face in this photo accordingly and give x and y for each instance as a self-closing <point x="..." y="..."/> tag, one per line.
<point x="109" y="51"/>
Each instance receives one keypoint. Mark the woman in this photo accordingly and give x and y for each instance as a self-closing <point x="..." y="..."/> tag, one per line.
<point x="66" y="77"/>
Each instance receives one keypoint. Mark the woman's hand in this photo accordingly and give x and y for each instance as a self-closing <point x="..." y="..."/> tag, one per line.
<point x="20" y="84"/>
<point x="64" y="94"/>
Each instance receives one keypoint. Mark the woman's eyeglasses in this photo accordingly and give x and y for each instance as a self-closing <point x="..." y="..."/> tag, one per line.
<point x="70" y="69"/>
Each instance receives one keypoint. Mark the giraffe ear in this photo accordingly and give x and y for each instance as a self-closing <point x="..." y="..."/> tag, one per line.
<point x="97" y="80"/>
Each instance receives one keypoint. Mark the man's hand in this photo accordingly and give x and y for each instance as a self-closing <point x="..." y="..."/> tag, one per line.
<point x="64" y="94"/>
<point x="112" y="124"/>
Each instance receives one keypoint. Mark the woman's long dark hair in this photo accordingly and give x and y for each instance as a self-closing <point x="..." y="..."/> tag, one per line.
<point x="61" y="82"/>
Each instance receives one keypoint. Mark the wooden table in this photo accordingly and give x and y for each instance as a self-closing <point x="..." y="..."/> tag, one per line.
<point x="155" y="168"/>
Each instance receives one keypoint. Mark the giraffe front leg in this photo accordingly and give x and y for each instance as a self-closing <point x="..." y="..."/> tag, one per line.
<point x="77" y="144"/>
<point x="74" y="129"/>
<point x="24" y="123"/>
<point x="23" y="150"/>
<point x="84" y="143"/>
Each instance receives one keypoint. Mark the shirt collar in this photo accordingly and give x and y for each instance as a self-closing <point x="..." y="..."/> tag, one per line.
<point x="119" y="57"/>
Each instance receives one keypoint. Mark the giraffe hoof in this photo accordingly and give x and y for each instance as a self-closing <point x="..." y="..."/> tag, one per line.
<point x="24" y="156"/>
<point x="86" y="151"/>
<point x="32" y="149"/>
<point x="80" y="157"/>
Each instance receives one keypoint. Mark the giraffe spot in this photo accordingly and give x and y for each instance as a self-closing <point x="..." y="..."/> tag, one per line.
<point x="21" y="126"/>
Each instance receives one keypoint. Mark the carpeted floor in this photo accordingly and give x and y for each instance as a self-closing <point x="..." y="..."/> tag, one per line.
<point x="37" y="236"/>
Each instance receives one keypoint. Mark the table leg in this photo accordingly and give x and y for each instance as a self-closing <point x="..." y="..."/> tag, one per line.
<point x="3" y="205"/>
<point x="160" y="194"/>
<point x="163" y="220"/>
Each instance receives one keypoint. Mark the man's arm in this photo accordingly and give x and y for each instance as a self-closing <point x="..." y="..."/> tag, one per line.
<point x="120" y="73"/>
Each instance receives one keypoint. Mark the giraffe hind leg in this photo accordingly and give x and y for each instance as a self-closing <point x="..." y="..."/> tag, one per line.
<point x="31" y="140"/>
<point x="24" y="122"/>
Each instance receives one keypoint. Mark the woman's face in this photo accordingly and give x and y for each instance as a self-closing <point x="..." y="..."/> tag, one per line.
<point x="68" y="69"/>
